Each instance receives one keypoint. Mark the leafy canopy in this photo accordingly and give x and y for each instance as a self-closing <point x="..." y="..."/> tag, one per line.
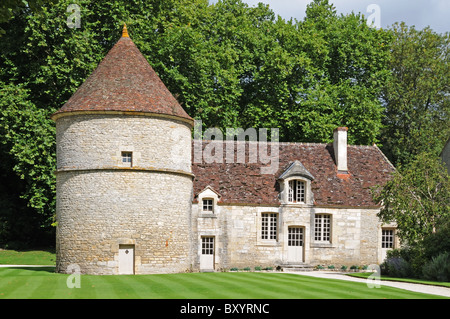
<point x="417" y="198"/>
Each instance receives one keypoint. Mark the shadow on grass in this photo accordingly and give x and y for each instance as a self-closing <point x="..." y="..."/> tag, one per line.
<point x="48" y="269"/>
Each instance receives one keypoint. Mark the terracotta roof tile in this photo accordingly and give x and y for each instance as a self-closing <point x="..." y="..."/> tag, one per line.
<point x="243" y="183"/>
<point x="124" y="81"/>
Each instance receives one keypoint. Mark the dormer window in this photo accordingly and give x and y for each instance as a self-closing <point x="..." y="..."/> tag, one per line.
<point x="296" y="191"/>
<point x="208" y="205"/>
<point x="295" y="185"/>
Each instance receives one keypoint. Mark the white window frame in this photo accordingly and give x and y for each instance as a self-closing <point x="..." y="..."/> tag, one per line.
<point x="322" y="228"/>
<point x="208" y="194"/>
<point x="208" y="203"/>
<point x="127" y="158"/>
<point x="269" y="226"/>
<point x="296" y="191"/>
<point x="388" y="238"/>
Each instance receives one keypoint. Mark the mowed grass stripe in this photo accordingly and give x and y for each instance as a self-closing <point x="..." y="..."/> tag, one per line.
<point x="199" y="286"/>
<point x="341" y="289"/>
<point x="28" y="283"/>
<point x="208" y="286"/>
<point x="258" y="286"/>
<point x="290" y="286"/>
<point x="174" y="286"/>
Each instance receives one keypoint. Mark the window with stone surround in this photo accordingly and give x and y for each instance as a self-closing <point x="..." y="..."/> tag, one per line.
<point x="127" y="158"/>
<point x="296" y="191"/>
<point x="208" y="205"/>
<point x="269" y="226"/>
<point x="322" y="228"/>
<point x="387" y="238"/>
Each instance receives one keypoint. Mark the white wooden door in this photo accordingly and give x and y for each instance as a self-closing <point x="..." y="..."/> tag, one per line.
<point x="207" y="254"/>
<point x="126" y="259"/>
<point x="295" y="244"/>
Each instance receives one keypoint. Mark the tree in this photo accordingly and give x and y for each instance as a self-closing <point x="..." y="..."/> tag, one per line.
<point x="11" y="7"/>
<point x="228" y="64"/>
<point x="417" y="96"/>
<point x="28" y="186"/>
<point x="417" y="198"/>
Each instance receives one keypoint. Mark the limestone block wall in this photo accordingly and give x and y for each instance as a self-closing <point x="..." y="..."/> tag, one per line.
<point x="99" y="210"/>
<point x="93" y="141"/>
<point x="103" y="203"/>
<point x="355" y="236"/>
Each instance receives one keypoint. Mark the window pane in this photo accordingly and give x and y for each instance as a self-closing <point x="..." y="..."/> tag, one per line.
<point x="269" y="226"/>
<point x="322" y="227"/>
<point x="208" y="205"/>
<point x="296" y="191"/>
<point x="126" y="157"/>
<point x="387" y="238"/>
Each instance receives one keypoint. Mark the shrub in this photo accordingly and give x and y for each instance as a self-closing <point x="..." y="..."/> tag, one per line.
<point x="331" y="267"/>
<point x="344" y="268"/>
<point x="257" y="268"/>
<point x="397" y="267"/>
<point x="438" y="268"/>
<point x="438" y="242"/>
<point x="412" y="255"/>
<point x="247" y="268"/>
<point x="353" y="267"/>
<point x="234" y="269"/>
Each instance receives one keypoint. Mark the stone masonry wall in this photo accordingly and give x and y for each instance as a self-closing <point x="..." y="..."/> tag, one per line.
<point x="355" y="236"/>
<point x="97" y="211"/>
<point x="94" y="141"/>
<point x="103" y="203"/>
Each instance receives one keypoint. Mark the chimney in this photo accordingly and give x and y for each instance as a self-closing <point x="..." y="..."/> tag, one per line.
<point x="340" y="149"/>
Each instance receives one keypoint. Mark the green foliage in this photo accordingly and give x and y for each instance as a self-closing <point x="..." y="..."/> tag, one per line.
<point x="417" y="198"/>
<point x="228" y="64"/>
<point x="437" y="242"/>
<point x="438" y="268"/>
<point x="28" y="145"/>
<point x="416" y="96"/>
<point x="396" y="267"/>
<point x="11" y="7"/>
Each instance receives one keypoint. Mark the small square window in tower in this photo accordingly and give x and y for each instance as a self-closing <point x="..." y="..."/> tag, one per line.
<point x="127" y="158"/>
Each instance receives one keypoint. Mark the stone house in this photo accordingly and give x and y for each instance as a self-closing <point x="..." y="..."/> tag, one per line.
<point x="133" y="199"/>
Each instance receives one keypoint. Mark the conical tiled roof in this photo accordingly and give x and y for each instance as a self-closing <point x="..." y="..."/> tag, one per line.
<point x="124" y="81"/>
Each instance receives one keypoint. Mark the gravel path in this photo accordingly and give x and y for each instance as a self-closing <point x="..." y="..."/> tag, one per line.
<point x="427" y="289"/>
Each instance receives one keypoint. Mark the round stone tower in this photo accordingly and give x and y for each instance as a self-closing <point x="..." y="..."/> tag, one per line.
<point x="123" y="179"/>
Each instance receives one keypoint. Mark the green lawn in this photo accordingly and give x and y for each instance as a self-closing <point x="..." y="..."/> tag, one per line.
<point x="410" y="280"/>
<point x="43" y="283"/>
<point x="27" y="257"/>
